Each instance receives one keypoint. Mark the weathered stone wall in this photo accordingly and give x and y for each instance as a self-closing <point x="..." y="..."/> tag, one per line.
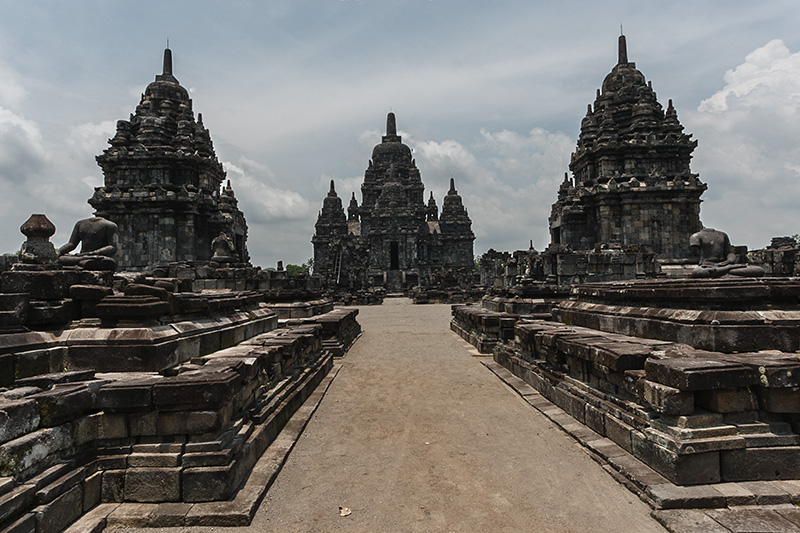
<point x="561" y="267"/>
<point x="716" y="400"/>
<point x="693" y="416"/>
<point x="72" y="440"/>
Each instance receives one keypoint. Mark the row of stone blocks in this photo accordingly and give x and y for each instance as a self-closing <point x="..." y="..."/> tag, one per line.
<point x="446" y="296"/>
<point x="121" y="349"/>
<point x="694" y="416"/>
<point x="146" y="437"/>
<point x="304" y="309"/>
<point x="715" y="330"/>
<point x="536" y="307"/>
<point x="340" y="329"/>
<point x="482" y="328"/>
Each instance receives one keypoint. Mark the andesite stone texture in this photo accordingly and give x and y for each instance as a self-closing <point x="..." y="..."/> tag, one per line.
<point x="393" y="239"/>
<point x="631" y="179"/>
<point x="164" y="184"/>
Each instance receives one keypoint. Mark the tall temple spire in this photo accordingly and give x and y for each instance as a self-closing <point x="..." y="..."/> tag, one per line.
<point x="391" y="130"/>
<point x="167" y="62"/>
<point x="623" y="50"/>
<point x="166" y="75"/>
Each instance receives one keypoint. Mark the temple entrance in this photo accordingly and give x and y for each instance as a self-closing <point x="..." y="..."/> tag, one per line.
<point x="394" y="256"/>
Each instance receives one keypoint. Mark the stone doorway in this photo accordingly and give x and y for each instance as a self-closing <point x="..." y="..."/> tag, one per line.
<point x="394" y="256"/>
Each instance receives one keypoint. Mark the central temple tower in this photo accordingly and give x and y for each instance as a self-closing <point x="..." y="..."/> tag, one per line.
<point x="393" y="239"/>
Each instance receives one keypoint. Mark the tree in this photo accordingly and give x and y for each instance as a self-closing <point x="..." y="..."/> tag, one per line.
<point x="294" y="270"/>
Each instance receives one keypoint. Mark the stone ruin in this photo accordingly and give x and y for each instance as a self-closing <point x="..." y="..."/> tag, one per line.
<point x="168" y="387"/>
<point x="393" y="240"/>
<point x="675" y="382"/>
<point x="628" y="210"/>
<point x="164" y="184"/>
<point x="167" y="382"/>
<point x="632" y="184"/>
<point x="157" y="366"/>
<point x="673" y="352"/>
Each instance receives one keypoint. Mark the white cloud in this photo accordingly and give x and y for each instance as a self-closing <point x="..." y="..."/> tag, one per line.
<point x="766" y="80"/>
<point x="89" y="139"/>
<point x="749" y="147"/>
<point x="22" y="155"/>
<point x="507" y="180"/>
<point x="262" y="202"/>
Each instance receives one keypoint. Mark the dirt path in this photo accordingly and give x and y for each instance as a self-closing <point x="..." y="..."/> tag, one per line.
<point x="414" y="434"/>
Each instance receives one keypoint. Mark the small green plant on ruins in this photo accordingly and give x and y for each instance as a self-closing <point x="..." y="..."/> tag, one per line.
<point x="294" y="270"/>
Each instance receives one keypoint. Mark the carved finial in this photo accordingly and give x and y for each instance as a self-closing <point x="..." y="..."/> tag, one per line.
<point x="623" y="50"/>
<point x="167" y="61"/>
<point x="391" y="125"/>
<point x="332" y="191"/>
<point x="452" y="186"/>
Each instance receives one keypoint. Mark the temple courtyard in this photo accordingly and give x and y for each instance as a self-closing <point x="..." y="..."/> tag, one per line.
<point x="416" y="433"/>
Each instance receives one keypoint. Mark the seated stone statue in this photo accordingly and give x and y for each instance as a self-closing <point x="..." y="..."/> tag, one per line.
<point x="96" y="236"/>
<point x="224" y="249"/>
<point x="718" y="257"/>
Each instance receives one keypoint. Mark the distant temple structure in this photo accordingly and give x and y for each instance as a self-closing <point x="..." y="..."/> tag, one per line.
<point x="164" y="184"/>
<point x="393" y="239"/>
<point x="631" y="182"/>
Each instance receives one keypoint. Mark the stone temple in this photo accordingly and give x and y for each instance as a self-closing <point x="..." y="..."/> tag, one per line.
<point x="393" y="239"/>
<point x="164" y="184"/>
<point x="631" y="178"/>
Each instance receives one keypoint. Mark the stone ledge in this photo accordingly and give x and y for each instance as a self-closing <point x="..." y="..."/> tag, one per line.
<point x="238" y="511"/>
<point x="647" y="483"/>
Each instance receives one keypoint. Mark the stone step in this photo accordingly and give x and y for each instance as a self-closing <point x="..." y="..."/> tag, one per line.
<point x="760" y="440"/>
<point x="780" y="428"/>
<point x="6" y="484"/>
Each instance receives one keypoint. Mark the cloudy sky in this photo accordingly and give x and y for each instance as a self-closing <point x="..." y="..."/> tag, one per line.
<point x="296" y="92"/>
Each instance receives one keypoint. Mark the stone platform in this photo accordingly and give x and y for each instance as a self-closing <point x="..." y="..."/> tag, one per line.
<point x="715" y="401"/>
<point x="340" y="329"/>
<point x="725" y="315"/>
<point x="721" y="508"/>
<point x="183" y="436"/>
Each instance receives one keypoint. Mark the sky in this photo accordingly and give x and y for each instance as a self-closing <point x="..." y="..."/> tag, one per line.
<point x="295" y="93"/>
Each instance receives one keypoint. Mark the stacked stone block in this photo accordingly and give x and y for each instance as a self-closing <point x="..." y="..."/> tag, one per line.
<point x="191" y="434"/>
<point x="694" y="416"/>
<point x="481" y="328"/>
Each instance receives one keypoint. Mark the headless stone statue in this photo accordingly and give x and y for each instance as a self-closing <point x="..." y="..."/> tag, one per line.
<point x="717" y="257"/>
<point x="96" y="236"/>
<point x="223" y="248"/>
